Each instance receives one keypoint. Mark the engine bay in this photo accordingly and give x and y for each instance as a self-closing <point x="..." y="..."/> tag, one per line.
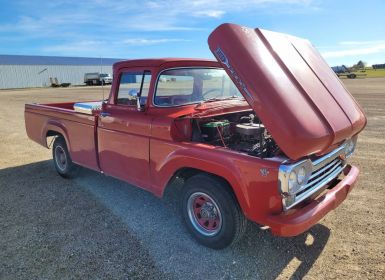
<point x="241" y="132"/>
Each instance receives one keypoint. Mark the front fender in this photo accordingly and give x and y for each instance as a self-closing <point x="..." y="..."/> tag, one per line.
<point x="253" y="190"/>
<point x="184" y="159"/>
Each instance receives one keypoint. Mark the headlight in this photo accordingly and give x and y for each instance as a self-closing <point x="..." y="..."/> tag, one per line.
<point x="295" y="176"/>
<point x="350" y="145"/>
<point x="292" y="182"/>
<point x="301" y="175"/>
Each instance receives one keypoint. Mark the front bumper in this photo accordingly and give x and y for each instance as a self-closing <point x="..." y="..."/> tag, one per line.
<point x="292" y="224"/>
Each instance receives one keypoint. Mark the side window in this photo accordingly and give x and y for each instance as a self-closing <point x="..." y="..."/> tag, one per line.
<point x="132" y="83"/>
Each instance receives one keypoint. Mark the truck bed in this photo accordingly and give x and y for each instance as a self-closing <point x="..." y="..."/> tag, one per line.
<point x="78" y="129"/>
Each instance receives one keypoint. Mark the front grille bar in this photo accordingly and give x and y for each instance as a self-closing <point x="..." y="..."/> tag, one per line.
<point x="301" y="197"/>
<point x="319" y="171"/>
<point x="325" y="169"/>
<point x="331" y="168"/>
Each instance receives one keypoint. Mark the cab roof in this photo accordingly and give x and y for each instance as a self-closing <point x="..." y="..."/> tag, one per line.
<point x="157" y="62"/>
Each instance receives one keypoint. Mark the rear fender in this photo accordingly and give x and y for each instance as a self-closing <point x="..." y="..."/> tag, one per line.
<point x="53" y="125"/>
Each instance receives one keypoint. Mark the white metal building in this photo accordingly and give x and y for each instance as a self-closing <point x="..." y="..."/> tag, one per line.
<point x="21" y="71"/>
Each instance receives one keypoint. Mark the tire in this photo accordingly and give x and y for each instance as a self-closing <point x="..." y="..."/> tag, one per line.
<point x="211" y="212"/>
<point x="62" y="159"/>
<point x="352" y="76"/>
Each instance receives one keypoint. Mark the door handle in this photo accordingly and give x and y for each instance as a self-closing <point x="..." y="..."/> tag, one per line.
<point x="104" y="114"/>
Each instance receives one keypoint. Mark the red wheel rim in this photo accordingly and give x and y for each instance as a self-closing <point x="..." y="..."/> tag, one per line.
<point x="204" y="214"/>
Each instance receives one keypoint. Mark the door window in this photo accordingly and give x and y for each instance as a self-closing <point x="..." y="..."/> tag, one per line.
<point x="132" y="83"/>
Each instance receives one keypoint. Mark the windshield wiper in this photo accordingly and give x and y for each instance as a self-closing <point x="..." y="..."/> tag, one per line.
<point x="213" y="99"/>
<point x="220" y="99"/>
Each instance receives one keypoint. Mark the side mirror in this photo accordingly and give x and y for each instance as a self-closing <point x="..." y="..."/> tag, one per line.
<point x="133" y="93"/>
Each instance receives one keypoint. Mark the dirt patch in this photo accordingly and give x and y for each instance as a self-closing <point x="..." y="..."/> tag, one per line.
<point x="98" y="227"/>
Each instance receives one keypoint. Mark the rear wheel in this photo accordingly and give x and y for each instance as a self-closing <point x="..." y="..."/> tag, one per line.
<point x="211" y="212"/>
<point x="62" y="159"/>
<point x="352" y="76"/>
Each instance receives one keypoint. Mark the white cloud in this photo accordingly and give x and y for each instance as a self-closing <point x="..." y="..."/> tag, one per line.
<point x="85" y="27"/>
<point x="144" y="42"/>
<point x="360" y="43"/>
<point x="99" y="47"/>
<point x="210" y="13"/>
<point x="369" y="48"/>
<point x="136" y="15"/>
<point x="75" y="47"/>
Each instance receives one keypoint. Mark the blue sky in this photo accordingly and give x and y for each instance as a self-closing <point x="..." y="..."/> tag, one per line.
<point x="343" y="31"/>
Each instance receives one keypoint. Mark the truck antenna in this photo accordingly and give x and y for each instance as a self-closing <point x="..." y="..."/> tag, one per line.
<point x="101" y="71"/>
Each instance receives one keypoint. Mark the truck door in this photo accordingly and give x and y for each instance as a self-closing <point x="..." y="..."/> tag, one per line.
<point x="124" y="131"/>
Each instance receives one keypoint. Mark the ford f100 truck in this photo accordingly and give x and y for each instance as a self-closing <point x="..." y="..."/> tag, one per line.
<point x="263" y="133"/>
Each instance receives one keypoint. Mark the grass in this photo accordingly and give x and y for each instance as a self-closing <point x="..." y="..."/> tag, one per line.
<point x="372" y="73"/>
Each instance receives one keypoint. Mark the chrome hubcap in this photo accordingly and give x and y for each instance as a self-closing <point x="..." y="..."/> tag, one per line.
<point x="60" y="158"/>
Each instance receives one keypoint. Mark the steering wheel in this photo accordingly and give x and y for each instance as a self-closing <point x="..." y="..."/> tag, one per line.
<point x="210" y="91"/>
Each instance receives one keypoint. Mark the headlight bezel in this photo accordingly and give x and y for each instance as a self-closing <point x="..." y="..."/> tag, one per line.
<point x="289" y="185"/>
<point x="350" y="146"/>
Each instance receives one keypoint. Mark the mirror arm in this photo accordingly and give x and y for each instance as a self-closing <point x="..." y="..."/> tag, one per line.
<point x="138" y="106"/>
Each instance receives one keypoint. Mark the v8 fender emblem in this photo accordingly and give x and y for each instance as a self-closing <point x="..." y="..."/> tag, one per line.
<point x="264" y="172"/>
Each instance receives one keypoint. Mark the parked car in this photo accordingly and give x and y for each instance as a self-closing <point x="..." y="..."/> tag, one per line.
<point x="97" y="78"/>
<point x="343" y="71"/>
<point x="263" y="134"/>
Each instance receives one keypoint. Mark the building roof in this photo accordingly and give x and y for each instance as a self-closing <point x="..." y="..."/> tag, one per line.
<point x="54" y="60"/>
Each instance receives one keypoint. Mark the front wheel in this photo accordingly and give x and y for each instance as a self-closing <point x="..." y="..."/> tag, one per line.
<point x="62" y="159"/>
<point x="211" y="212"/>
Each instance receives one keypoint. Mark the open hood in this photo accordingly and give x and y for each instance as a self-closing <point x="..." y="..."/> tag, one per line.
<point x="297" y="96"/>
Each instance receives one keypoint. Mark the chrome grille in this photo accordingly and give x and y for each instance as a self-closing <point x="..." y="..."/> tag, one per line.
<point x="318" y="176"/>
<point x="324" y="170"/>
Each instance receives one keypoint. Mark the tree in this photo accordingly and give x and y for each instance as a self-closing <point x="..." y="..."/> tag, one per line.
<point x="359" y="65"/>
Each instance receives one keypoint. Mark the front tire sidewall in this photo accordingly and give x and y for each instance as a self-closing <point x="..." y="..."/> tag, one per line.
<point x="224" y="201"/>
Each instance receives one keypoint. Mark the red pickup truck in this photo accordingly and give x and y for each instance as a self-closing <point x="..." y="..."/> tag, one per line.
<point x="262" y="134"/>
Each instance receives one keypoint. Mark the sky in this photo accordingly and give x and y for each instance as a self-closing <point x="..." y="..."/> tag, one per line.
<point x="343" y="31"/>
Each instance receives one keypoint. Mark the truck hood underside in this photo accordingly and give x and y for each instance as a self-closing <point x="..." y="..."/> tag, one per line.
<point x="290" y="87"/>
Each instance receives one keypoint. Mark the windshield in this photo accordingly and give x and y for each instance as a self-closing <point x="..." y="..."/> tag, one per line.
<point x="193" y="85"/>
<point x="104" y="75"/>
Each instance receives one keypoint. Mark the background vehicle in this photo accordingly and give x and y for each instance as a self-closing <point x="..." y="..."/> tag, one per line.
<point x="231" y="129"/>
<point x="344" y="71"/>
<point x="97" y="79"/>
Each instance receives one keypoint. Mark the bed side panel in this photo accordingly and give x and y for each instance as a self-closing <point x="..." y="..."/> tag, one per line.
<point x="77" y="129"/>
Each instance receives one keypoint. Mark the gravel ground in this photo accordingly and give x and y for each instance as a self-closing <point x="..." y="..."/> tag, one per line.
<point x="96" y="227"/>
